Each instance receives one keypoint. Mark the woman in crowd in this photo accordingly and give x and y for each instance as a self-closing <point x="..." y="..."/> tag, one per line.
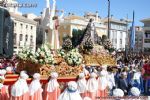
<point x="52" y="90"/>
<point x="4" y="94"/>
<point x="20" y="90"/>
<point x="71" y="92"/>
<point x="35" y="88"/>
<point x="82" y="85"/>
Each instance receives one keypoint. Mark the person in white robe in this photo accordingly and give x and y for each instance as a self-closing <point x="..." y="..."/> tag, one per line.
<point x="20" y="90"/>
<point x="35" y="88"/>
<point x="85" y="71"/>
<point x="92" y="86"/>
<point x="2" y="73"/>
<point x="82" y="85"/>
<point x="103" y="83"/>
<point x="71" y="92"/>
<point x="111" y="81"/>
<point x="52" y="90"/>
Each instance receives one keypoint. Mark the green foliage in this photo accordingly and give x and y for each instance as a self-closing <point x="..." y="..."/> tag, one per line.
<point x="77" y="37"/>
<point x="67" y="43"/>
<point x="61" y="52"/>
<point x="73" y="57"/>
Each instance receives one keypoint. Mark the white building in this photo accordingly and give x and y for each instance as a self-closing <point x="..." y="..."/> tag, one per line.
<point x="24" y="33"/>
<point x="146" y="35"/>
<point x="24" y="28"/>
<point x="72" y="22"/>
<point x="75" y="22"/>
<point x="118" y="33"/>
<point x="138" y="39"/>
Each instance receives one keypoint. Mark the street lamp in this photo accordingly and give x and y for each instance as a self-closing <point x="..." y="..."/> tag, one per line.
<point x="108" y="19"/>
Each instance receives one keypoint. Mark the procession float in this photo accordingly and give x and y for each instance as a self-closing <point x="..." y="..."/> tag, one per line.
<point x="91" y="51"/>
<point x="85" y="49"/>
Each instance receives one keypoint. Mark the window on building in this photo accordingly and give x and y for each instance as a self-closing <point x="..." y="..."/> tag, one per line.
<point x="140" y="40"/>
<point x="121" y="34"/>
<point x="15" y="36"/>
<point x="26" y="26"/>
<point x="20" y="37"/>
<point x="146" y="49"/>
<point x="136" y="39"/>
<point x="112" y="40"/>
<point x="26" y="38"/>
<point x="147" y="40"/>
<point x="15" y="24"/>
<point x="31" y="40"/>
<point x="116" y="41"/>
<point x="21" y="25"/>
<point x="31" y="27"/>
<point x="147" y="34"/>
<point x="120" y="41"/>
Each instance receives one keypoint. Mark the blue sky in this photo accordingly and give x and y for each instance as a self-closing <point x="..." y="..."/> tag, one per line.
<point x="119" y="8"/>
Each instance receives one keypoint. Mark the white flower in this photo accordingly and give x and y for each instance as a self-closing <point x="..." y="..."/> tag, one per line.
<point x="41" y="60"/>
<point x="38" y="50"/>
<point x="31" y="57"/>
<point x="42" y="53"/>
<point x="37" y="54"/>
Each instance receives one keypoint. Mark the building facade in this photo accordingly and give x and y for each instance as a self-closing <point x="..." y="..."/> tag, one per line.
<point x="118" y="33"/>
<point x="24" y="28"/>
<point x="24" y="33"/>
<point x="146" y="35"/>
<point x="138" y="39"/>
<point x="72" y="22"/>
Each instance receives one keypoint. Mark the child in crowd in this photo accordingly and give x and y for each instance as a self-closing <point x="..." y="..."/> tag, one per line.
<point x="82" y="85"/>
<point x="4" y="94"/>
<point x="123" y="84"/>
<point x="103" y="83"/>
<point x="92" y="86"/>
<point x="52" y="90"/>
<point x="35" y="88"/>
<point x="20" y="90"/>
<point x="137" y="81"/>
<point x="71" y="92"/>
<point x="111" y="81"/>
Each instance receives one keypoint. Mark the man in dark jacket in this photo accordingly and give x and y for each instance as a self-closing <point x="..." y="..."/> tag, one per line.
<point x="122" y="83"/>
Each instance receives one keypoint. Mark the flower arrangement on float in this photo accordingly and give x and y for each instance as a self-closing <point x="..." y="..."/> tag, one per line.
<point x="44" y="55"/>
<point x="26" y="54"/>
<point x="73" y="57"/>
<point x="61" y="53"/>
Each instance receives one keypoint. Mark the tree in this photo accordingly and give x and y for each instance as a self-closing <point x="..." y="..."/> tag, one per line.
<point x="77" y="37"/>
<point x="67" y="43"/>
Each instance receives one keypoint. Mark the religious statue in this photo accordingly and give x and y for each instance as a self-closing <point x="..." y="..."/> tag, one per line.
<point x="50" y="23"/>
<point x="90" y="33"/>
<point x="91" y="25"/>
<point x="55" y="34"/>
<point x="90" y="38"/>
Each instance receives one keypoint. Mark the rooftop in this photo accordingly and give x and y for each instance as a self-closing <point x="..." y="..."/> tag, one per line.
<point x="145" y="20"/>
<point x="22" y="19"/>
<point x="72" y="17"/>
<point x="121" y="21"/>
